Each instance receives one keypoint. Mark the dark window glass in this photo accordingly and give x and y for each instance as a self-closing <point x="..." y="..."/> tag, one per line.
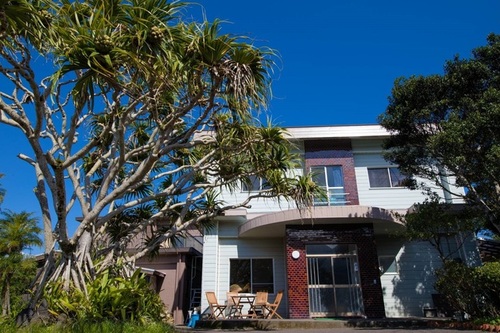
<point x="256" y="184"/>
<point x="341" y="271"/>
<point x="331" y="179"/>
<point x="331" y="249"/>
<point x="397" y="178"/>
<point x="252" y="275"/>
<point x="386" y="177"/>
<point x="387" y="264"/>
<point x="379" y="177"/>
<point x="318" y="175"/>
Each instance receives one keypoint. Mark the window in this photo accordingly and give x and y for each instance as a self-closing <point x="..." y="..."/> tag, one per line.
<point x="387" y="264"/>
<point x="451" y="246"/>
<point x="255" y="184"/>
<point x="252" y="275"/>
<point x="386" y="177"/>
<point x="331" y="179"/>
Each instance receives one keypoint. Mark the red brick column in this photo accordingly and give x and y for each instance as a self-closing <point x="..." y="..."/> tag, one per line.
<point x="297" y="236"/>
<point x="334" y="152"/>
<point x="298" y="299"/>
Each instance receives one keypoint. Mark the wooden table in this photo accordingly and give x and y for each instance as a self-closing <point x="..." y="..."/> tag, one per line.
<point x="243" y="299"/>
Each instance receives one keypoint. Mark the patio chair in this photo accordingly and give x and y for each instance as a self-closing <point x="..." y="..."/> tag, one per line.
<point x="258" y="306"/>
<point x="216" y="309"/>
<point x="233" y="306"/>
<point x="272" y="307"/>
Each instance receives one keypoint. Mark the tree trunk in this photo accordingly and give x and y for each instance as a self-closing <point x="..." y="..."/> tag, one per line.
<point x="6" y="296"/>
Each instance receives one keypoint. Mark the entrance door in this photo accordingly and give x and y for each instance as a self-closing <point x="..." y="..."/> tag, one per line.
<point x="333" y="280"/>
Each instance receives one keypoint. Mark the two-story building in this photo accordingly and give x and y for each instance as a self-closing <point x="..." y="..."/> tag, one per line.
<point x="341" y="258"/>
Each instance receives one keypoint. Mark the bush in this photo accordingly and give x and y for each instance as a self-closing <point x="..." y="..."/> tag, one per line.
<point x="473" y="290"/>
<point x="83" y="326"/>
<point x="488" y="278"/>
<point x="109" y="297"/>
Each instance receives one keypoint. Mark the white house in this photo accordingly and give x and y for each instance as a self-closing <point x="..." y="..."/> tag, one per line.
<point x="341" y="258"/>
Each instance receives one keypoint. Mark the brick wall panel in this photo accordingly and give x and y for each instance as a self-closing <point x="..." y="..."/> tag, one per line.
<point x="359" y="234"/>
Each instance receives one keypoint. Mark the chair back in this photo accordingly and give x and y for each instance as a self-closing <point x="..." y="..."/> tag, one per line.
<point x="211" y="297"/>
<point x="278" y="298"/>
<point x="261" y="297"/>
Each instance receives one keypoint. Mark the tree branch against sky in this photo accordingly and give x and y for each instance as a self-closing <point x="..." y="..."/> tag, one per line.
<point x="448" y="127"/>
<point x="144" y="118"/>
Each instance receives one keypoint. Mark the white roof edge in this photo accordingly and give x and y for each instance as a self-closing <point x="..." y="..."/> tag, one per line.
<point x="345" y="131"/>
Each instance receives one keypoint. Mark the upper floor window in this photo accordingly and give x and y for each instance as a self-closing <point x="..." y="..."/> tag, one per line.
<point x="252" y="275"/>
<point x="386" y="177"/>
<point x="255" y="184"/>
<point x="331" y="179"/>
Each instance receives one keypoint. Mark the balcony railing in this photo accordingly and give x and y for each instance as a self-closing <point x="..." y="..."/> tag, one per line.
<point x="335" y="197"/>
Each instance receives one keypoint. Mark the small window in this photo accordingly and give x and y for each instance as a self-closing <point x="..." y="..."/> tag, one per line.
<point x="254" y="184"/>
<point x="386" y="177"/>
<point x="252" y="275"/>
<point x="451" y="247"/>
<point x="387" y="265"/>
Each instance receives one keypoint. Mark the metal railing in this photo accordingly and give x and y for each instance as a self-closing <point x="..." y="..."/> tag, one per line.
<point x="335" y="197"/>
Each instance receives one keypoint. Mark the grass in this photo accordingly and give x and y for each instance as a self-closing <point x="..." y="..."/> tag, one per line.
<point x="85" y="327"/>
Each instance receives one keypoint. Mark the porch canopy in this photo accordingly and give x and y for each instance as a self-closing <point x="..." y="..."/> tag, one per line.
<point x="273" y="225"/>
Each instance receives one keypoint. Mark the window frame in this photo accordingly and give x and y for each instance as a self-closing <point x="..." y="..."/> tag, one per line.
<point x="331" y="191"/>
<point x="254" y="178"/>
<point x="394" y="263"/>
<point x="389" y="177"/>
<point x="253" y="288"/>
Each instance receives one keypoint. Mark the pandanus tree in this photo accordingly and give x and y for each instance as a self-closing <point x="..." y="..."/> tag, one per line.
<point x="136" y="119"/>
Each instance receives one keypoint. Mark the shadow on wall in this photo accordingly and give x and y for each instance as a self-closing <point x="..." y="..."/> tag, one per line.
<point x="413" y="286"/>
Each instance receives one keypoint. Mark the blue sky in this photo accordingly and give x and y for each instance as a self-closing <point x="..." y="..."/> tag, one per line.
<point x="339" y="59"/>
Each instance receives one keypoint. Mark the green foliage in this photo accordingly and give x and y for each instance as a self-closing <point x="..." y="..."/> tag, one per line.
<point x="474" y="290"/>
<point x="23" y="272"/>
<point x="436" y="222"/>
<point x="449" y="125"/>
<point x="18" y="232"/>
<point x="109" y="297"/>
<point x="120" y="327"/>
<point x="141" y="120"/>
<point x="82" y="326"/>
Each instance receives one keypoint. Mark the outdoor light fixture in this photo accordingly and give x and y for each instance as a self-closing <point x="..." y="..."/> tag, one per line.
<point x="295" y="254"/>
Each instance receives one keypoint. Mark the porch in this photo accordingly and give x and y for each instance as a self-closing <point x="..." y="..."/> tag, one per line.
<point x="327" y="323"/>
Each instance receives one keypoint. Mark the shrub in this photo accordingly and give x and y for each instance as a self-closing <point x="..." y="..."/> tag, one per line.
<point x="85" y="326"/>
<point x="109" y="297"/>
<point x="473" y="290"/>
<point x="488" y="278"/>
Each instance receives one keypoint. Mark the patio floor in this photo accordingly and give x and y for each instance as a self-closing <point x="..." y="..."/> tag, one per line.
<point x="280" y="324"/>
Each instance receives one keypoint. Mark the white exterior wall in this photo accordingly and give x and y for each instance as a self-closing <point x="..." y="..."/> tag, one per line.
<point x="405" y="292"/>
<point x="409" y="290"/>
<point x="226" y="247"/>
<point x="260" y="205"/>
<point x="210" y="264"/>
<point x="368" y="154"/>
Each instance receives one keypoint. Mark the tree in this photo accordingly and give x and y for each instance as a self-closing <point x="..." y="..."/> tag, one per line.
<point x="18" y="232"/>
<point x="439" y="223"/>
<point x="446" y="128"/>
<point x="142" y="121"/>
